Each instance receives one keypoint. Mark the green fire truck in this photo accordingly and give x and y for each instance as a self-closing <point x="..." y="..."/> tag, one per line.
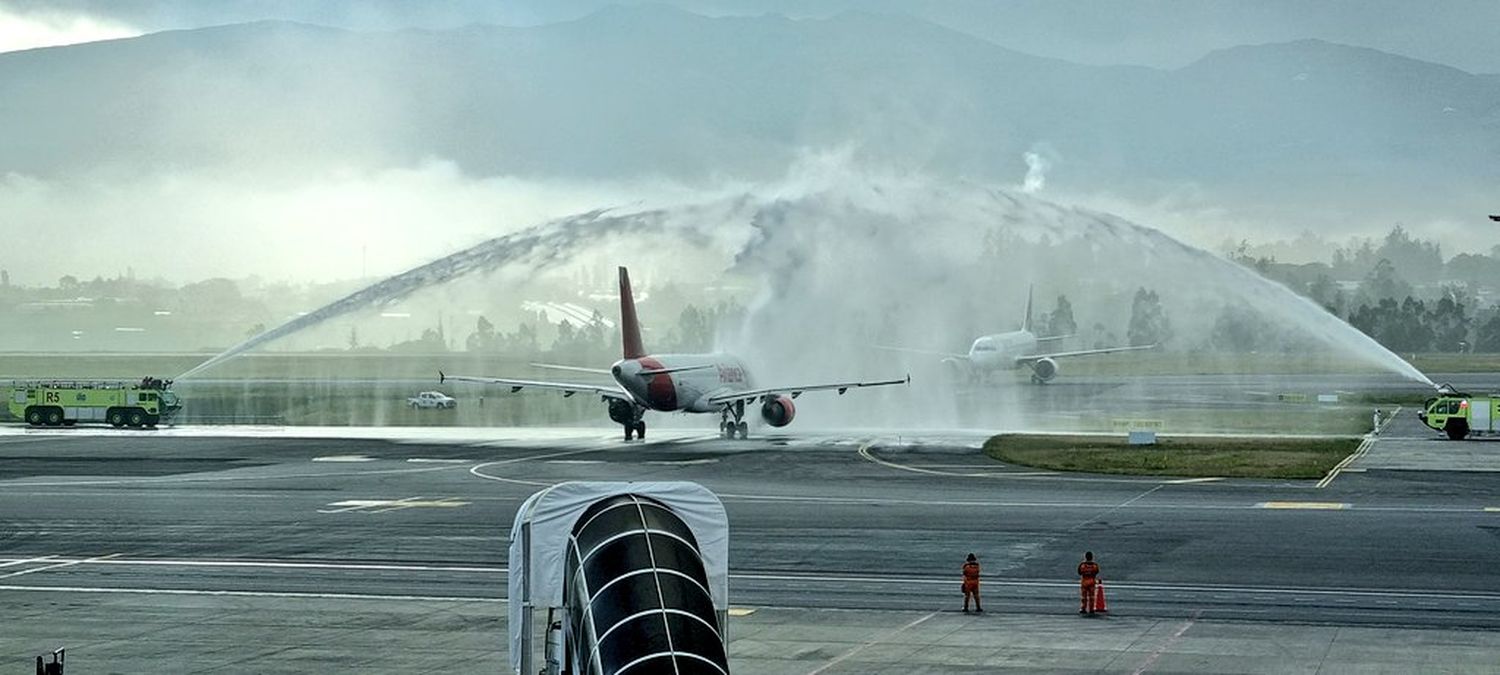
<point x="65" y="402"/>
<point x="1459" y="415"/>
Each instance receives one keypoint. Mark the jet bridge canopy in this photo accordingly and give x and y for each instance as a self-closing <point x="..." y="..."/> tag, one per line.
<point x="540" y="536"/>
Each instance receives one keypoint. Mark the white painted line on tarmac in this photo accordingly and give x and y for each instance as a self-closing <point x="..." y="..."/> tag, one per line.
<point x="344" y="458"/>
<point x="157" y="480"/>
<point x="60" y="565"/>
<point x="685" y="462"/>
<point x="864" y="451"/>
<point x="845" y="656"/>
<point x="34" y="439"/>
<point x="1190" y="481"/>
<point x="441" y="503"/>
<point x="251" y="594"/>
<point x="23" y="561"/>
<point x="384" y="505"/>
<point x="429" y="460"/>
<point x="269" y="564"/>
<point x="1295" y="593"/>
<point x="861" y="501"/>
<point x="1492" y="509"/>
<point x="357" y="504"/>
<point x="477" y="470"/>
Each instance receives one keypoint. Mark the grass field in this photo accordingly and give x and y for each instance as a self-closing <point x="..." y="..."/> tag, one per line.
<point x="1185" y="456"/>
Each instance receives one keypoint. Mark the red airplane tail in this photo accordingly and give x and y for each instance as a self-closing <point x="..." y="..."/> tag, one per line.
<point x="630" y="328"/>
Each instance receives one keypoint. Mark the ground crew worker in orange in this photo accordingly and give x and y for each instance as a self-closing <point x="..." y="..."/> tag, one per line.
<point x="971" y="583"/>
<point x="1088" y="575"/>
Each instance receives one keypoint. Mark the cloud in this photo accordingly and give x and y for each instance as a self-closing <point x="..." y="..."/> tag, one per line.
<point x="318" y="226"/>
<point x="34" y="29"/>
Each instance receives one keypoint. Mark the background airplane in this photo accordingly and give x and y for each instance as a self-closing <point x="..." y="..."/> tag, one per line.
<point x="694" y="383"/>
<point x="1010" y="351"/>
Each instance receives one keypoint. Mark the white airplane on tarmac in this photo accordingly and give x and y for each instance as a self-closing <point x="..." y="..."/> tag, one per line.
<point x="1009" y="351"/>
<point x="694" y="383"/>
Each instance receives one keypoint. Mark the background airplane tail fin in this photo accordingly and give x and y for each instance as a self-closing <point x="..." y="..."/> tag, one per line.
<point x="630" y="328"/>
<point x="1026" y="322"/>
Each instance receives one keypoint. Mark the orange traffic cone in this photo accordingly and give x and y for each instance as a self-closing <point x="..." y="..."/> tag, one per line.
<point x="1099" y="605"/>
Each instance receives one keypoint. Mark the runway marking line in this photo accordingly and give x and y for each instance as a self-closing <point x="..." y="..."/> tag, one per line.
<point x="60" y="565"/>
<point x="1191" y="481"/>
<point x="23" y="561"/>
<point x="384" y="505"/>
<point x="845" y="656"/>
<point x="344" y="458"/>
<point x="1492" y="509"/>
<point x="478" y="473"/>
<point x="741" y="611"/>
<point x="249" y="594"/>
<point x="1412" y="594"/>
<point x="155" y="480"/>
<point x="273" y="564"/>
<point x="864" y="451"/>
<point x="1313" y="506"/>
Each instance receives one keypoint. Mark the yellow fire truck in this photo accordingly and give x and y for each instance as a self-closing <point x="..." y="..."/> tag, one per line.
<point x="64" y="402"/>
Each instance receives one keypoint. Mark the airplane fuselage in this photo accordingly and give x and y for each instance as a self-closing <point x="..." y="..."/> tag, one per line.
<point x="1002" y="351"/>
<point x="694" y="378"/>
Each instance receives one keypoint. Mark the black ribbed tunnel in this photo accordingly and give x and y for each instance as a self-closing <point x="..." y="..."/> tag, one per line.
<point x="637" y="594"/>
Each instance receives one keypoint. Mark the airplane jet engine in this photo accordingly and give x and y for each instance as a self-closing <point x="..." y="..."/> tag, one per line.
<point x="623" y="412"/>
<point x="779" y="411"/>
<point x="1043" y="370"/>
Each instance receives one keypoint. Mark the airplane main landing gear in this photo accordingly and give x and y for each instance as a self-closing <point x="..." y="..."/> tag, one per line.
<point x="638" y="429"/>
<point x="728" y="428"/>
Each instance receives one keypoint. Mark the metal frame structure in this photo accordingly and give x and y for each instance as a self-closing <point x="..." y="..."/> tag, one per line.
<point x="637" y="573"/>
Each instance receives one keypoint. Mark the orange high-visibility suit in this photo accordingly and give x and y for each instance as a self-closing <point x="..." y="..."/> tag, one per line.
<point x="971" y="585"/>
<point x="1088" y="575"/>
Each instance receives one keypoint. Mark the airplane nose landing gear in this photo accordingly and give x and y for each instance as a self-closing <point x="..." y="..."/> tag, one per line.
<point x="629" y="416"/>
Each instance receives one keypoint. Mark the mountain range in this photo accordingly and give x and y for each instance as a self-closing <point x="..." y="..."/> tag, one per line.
<point x="655" y="91"/>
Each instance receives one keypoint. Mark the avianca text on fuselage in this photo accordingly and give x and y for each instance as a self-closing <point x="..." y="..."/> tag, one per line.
<point x="692" y="383"/>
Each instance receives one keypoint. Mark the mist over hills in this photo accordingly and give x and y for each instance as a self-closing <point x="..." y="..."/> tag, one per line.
<point x="1278" y="130"/>
<point x="658" y="90"/>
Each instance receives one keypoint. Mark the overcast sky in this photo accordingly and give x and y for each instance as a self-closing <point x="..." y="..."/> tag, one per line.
<point x="1160" y="33"/>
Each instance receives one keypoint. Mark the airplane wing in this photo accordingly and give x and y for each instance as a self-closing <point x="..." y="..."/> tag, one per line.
<point x="924" y="352"/>
<point x="1029" y="358"/>
<point x="752" y="395"/>
<point x="571" y="369"/>
<point x="567" y="388"/>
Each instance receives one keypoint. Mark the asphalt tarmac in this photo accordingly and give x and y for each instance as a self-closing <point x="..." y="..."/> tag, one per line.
<point x="253" y="549"/>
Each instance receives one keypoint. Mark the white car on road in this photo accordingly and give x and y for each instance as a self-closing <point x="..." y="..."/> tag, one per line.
<point x="432" y="399"/>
